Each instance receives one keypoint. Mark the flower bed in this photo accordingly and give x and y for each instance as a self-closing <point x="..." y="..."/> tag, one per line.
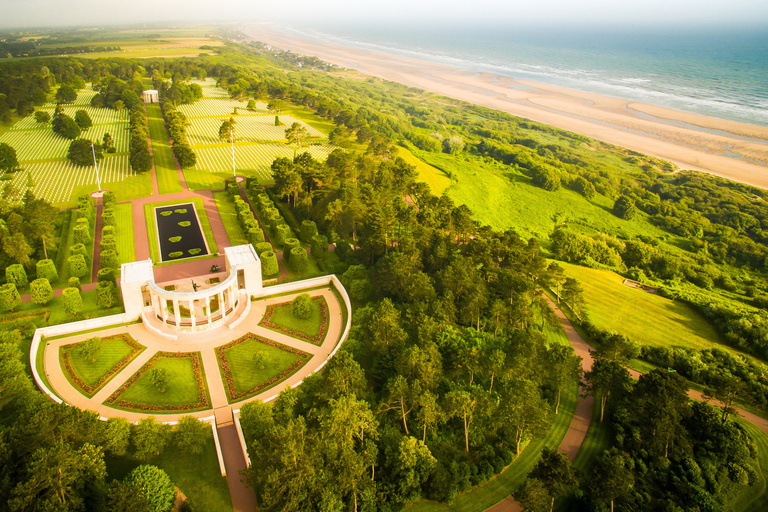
<point x="203" y="401"/>
<point x="226" y="371"/>
<point x="317" y="339"/>
<point x="90" y="390"/>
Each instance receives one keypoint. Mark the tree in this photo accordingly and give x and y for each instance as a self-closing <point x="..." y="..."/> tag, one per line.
<point x="611" y="478"/>
<point x="185" y="155"/>
<point x="109" y="259"/>
<point x="522" y="411"/>
<point x="17" y="247"/>
<point x="624" y="207"/>
<point x="46" y="269"/>
<point x="73" y="302"/>
<point x="65" y="126"/>
<point x="555" y="472"/>
<point x="42" y="117"/>
<point x="533" y="496"/>
<point x="251" y="105"/>
<point x="119" y="106"/>
<point x="41" y="291"/>
<point x="412" y="466"/>
<point x="301" y="306"/>
<point x="122" y="497"/>
<point x="107" y="141"/>
<point x="276" y="105"/>
<point x="83" y="120"/>
<point x="726" y="389"/>
<point x="17" y="275"/>
<point x="159" y="379"/>
<point x="546" y="177"/>
<point x="307" y="231"/>
<point x="296" y="133"/>
<point x="154" y="485"/>
<point x="15" y="386"/>
<point x="117" y="436"/>
<point x="80" y="152"/>
<point x="573" y="295"/>
<point x="66" y="94"/>
<point x="604" y="378"/>
<point x="585" y="188"/>
<point x="105" y="294"/>
<point x="298" y="260"/>
<point x="8" y="160"/>
<point x="77" y="265"/>
<point x="617" y="347"/>
<point x="192" y="435"/>
<point x="9" y="297"/>
<point x="91" y="348"/>
<point x="453" y="145"/>
<point x="462" y="404"/>
<point x="225" y="130"/>
<point x="564" y="366"/>
<point x="269" y="265"/>
<point x="150" y="438"/>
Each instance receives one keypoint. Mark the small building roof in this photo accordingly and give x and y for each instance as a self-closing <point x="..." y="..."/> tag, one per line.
<point x="241" y="255"/>
<point x="150" y="91"/>
<point x="137" y="272"/>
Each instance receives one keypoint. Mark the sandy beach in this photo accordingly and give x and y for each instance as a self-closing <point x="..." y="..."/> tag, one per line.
<point x="729" y="149"/>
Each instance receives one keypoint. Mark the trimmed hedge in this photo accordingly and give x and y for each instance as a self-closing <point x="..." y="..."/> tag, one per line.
<point x="74" y="282"/>
<point x="17" y="275"/>
<point x="105" y="294"/>
<point x="319" y="246"/>
<point x="269" y="266"/>
<point x="288" y="245"/>
<point x="298" y="260"/>
<point x="47" y="270"/>
<point x="308" y="230"/>
<point x="9" y="297"/>
<point x="106" y="274"/>
<point x="82" y="234"/>
<point x="255" y="236"/>
<point x="262" y="248"/>
<point x="77" y="265"/>
<point x="109" y="259"/>
<point x="282" y="232"/>
<point x="41" y="291"/>
<point x="108" y="243"/>
<point x="73" y="302"/>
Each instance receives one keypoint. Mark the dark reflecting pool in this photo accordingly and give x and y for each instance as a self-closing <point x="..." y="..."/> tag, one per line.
<point x="179" y="232"/>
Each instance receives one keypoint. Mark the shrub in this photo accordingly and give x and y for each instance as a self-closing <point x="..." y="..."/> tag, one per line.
<point x="174" y="239"/>
<point x="624" y="207"/>
<point x="77" y="265"/>
<point x="192" y="435"/>
<point x="90" y="348"/>
<point x="546" y="177"/>
<point x="289" y="244"/>
<point x="41" y="291"/>
<point x="73" y="302"/>
<point x="159" y="379"/>
<point x="17" y="275"/>
<point x="282" y="232"/>
<point x="47" y="269"/>
<point x="108" y="243"/>
<point x="154" y="485"/>
<point x="109" y="259"/>
<point x="106" y="274"/>
<point x="298" y="259"/>
<point x="108" y="199"/>
<point x="9" y="297"/>
<point x="263" y="247"/>
<point x="319" y="246"/>
<point x="301" y="306"/>
<point x="175" y="254"/>
<point x="269" y="266"/>
<point x="80" y="249"/>
<point x="74" y="282"/>
<point x="149" y="438"/>
<point x="255" y="236"/>
<point x="108" y="218"/>
<point x="82" y="234"/>
<point x="83" y="120"/>
<point x="308" y="230"/>
<point x="194" y="251"/>
<point x="105" y="294"/>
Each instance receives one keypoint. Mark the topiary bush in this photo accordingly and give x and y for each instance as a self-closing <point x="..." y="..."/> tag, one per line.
<point x="74" y="282"/>
<point x="108" y="230"/>
<point x="255" y="236"/>
<point x="77" y="265"/>
<point x="298" y="260"/>
<point x="108" y="199"/>
<point x="269" y="266"/>
<point x="109" y="259"/>
<point x="301" y="306"/>
<point x="41" y="291"/>
<point x="9" y="297"/>
<point x="47" y="269"/>
<point x="80" y="249"/>
<point x="263" y="247"/>
<point x="106" y="274"/>
<point x="154" y="485"/>
<point x="82" y="234"/>
<point x="282" y="232"/>
<point x="289" y="244"/>
<point x="108" y="217"/>
<point x="108" y="243"/>
<point x="319" y="246"/>
<point x="17" y="275"/>
<point x="308" y="230"/>
<point x="73" y="302"/>
<point x="105" y="294"/>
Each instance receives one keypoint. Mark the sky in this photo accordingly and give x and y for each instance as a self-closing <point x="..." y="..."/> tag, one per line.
<point x="36" y="13"/>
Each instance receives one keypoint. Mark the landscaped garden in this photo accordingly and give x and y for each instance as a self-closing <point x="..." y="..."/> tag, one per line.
<point x="91" y="363"/>
<point x="174" y="224"/>
<point x="252" y="364"/>
<point x="311" y="325"/>
<point x="169" y="382"/>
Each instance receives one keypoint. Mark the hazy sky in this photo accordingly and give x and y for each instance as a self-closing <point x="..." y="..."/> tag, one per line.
<point x="31" y="13"/>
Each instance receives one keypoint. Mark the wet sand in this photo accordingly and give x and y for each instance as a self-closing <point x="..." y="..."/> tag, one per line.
<point x="733" y="150"/>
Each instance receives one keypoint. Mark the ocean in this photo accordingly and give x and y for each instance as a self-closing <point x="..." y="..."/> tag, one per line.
<point x="721" y="73"/>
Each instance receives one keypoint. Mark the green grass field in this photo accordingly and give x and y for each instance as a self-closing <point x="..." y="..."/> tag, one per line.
<point x="124" y="233"/>
<point x="489" y="494"/>
<point x="165" y="166"/>
<point x="644" y="317"/>
<point x="205" y="225"/>
<point x="229" y="218"/>
<point x="437" y="180"/>
<point x="246" y="374"/>
<point x="181" y="390"/>
<point x="91" y="309"/>
<point x="204" y="180"/>
<point x="113" y="351"/>
<point x="197" y="476"/>
<point x="284" y="317"/>
<point x="755" y="498"/>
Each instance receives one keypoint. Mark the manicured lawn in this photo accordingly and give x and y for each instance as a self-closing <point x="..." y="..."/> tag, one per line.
<point x="755" y="498"/>
<point x="494" y="491"/>
<point x="284" y="317"/>
<point x="437" y="180"/>
<point x="229" y="218"/>
<point x="644" y="317"/>
<point x="165" y="166"/>
<point x="124" y="233"/>
<point x="128" y="189"/>
<point x="246" y="374"/>
<point x="70" y="241"/>
<point x="149" y="216"/>
<point x="181" y="390"/>
<point x="91" y="309"/>
<point x="197" y="476"/>
<point x="113" y="351"/>
<point x="599" y="438"/>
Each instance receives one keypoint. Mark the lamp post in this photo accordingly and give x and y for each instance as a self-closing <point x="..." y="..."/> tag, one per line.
<point x="95" y="165"/>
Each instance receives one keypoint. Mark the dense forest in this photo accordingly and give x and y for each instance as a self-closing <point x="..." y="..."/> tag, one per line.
<point x="449" y="371"/>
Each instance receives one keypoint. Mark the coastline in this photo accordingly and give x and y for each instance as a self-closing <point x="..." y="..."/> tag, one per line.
<point x="729" y="149"/>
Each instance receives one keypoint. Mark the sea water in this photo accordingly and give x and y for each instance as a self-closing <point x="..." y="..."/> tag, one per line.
<point x="716" y="72"/>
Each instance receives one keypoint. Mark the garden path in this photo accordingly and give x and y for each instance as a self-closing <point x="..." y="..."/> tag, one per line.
<point x="280" y="261"/>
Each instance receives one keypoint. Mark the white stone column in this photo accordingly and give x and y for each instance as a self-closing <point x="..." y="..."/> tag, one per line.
<point x="208" y="309"/>
<point x="192" y="311"/>
<point x="234" y="293"/>
<point x="176" y="313"/>
<point x="222" y="306"/>
<point x="164" y="305"/>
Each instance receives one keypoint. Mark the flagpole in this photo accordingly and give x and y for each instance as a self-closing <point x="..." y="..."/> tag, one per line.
<point x="95" y="165"/>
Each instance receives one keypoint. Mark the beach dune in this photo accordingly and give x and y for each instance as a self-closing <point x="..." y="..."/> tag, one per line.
<point x="729" y="149"/>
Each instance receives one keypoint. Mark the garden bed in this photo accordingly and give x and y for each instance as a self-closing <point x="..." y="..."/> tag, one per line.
<point x="242" y="379"/>
<point x="179" y="232"/>
<point x="280" y="318"/>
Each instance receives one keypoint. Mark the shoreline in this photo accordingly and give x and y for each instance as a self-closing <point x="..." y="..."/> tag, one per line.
<point x="729" y="149"/>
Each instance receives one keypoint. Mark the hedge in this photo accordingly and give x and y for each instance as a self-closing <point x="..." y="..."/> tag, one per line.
<point x="109" y="259"/>
<point x="108" y="243"/>
<point x="17" y="275"/>
<point x="47" y="269"/>
<point x="9" y="297"/>
<point x="269" y="266"/>
<point x="41" y="291"/>
<point x="262" y="248"/>
<point x="73" y="302"/>
<point x="80" y="249"/>
<point x="298" y="260"/>
<point x="105" y="294"/>
<point x="319" y="246"/>
<point x="282" y="232"/>
<point x="255" y="236"/>
<point x="106" y="274"/>
<point x="74" y="282"/>
<point x="288" y="245"/>
<point x="77" y="265"/>
<point x="82" y="234"/>
<point x="308" y="230"/>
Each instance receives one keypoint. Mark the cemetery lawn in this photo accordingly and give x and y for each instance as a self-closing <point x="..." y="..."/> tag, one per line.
<point x="124" y="233"/>
<point x="165" y="165"/>
<point x="228" y="214"/>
